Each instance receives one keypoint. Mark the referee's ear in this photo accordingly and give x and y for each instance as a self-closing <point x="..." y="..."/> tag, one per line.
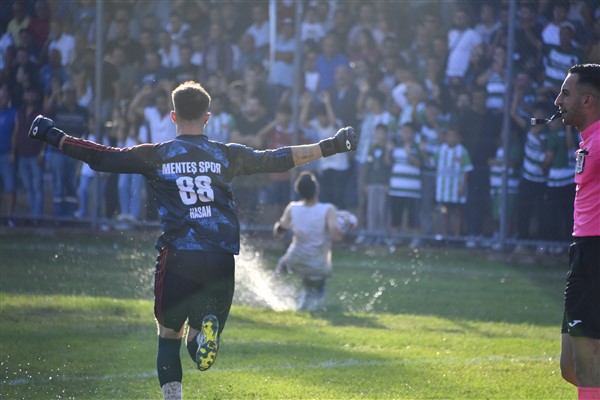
<point x="206" y="118"/>
<point x="173" y="116"/>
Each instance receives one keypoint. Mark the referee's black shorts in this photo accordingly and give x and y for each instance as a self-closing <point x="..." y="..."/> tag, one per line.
<point x="582" y="293"/>
<point x="192" y="284"/>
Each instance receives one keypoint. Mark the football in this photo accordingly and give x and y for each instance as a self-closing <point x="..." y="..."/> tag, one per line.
<point x="346" y="220"/>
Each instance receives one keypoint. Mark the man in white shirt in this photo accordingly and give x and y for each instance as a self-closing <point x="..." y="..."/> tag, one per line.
<point x="462" y="39"/>
<point x="551" y="32"/>
<point x="259" y="28"/>
<point x="156" y="116"/>
<point x="62" y="41"/>
<point x="282" y="70"/>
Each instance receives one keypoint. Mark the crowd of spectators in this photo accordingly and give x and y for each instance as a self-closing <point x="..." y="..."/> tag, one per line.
<point x="422" y="82"/>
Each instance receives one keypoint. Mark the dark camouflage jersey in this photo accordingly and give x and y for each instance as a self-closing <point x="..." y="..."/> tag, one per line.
<point x="190" y="177"/>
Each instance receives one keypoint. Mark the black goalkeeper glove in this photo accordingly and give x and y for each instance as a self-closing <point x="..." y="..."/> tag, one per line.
<point x="344" y="140"/>
<point x="43" y="129"/>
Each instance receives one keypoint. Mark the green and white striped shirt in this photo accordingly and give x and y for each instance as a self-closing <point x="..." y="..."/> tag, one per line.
<point x="562" y="170"/>
<point x="533" y="162"/>
<point x="496" y="175"/>
<point x="557" y="62"/>
<point x="452" y="164"/>
<point x="405" y="180"/>
<point x="495" y="88"/>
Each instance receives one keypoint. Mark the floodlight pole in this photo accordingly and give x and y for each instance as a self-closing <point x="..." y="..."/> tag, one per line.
<point x="98" y="126"/>
<point x="296" y="88"/>
<point x="272" y="31"/>
<point x="506" y="128"/>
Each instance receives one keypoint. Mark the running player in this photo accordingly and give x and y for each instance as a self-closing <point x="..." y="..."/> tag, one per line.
<point x="579" y="104"/>
<point x="314" y="226"/>
<point x="190" y="177"/>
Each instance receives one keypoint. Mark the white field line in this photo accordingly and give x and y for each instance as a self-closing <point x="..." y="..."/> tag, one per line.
<point x="326" y="364"/>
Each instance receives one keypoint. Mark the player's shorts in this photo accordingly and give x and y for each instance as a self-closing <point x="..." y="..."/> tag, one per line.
<point x="192" y="284"/>
<point x="582" y="293"/>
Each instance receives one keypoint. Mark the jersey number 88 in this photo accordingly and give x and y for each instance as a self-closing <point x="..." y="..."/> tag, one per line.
<point x="192" y="189"/>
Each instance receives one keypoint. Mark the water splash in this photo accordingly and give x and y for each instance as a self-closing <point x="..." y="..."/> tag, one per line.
<point x="257" y="285"/>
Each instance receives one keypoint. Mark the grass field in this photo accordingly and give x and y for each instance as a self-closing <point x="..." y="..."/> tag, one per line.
<point x="76" y="322"/>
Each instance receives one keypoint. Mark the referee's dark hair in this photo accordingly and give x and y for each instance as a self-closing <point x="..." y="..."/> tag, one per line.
<point x="589" y="74"/>
<point x="306" y="185"/>
<point x="190" y="101"/>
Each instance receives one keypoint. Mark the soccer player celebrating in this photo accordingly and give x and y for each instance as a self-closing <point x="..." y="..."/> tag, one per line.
<point x="579" y="104"/>
<point x="190" y="177"/>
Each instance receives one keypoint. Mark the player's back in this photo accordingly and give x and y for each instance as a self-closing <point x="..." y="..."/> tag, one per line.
<point x="310" y="250"/>
<point x="309" y="224"/>
<point x="191" y="182"/>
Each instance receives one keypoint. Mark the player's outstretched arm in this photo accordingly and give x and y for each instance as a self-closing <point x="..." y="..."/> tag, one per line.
<point x="303" y="154"/>
<point x="135" y="159"/>
<point x="344" y="140"/>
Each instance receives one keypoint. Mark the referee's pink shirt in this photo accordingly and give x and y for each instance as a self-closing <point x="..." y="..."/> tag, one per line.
<point x="587" y="194"/>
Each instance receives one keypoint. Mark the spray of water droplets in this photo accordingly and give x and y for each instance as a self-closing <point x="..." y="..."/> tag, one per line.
<point x="257" y="285"/>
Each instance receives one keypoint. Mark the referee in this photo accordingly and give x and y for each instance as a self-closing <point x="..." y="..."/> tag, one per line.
<point x="190" y="177"/>
<point x="579" y="104"/>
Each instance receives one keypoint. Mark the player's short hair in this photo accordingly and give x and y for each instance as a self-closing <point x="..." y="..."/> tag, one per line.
<point x="190" y="101"/>
<point x="306" y="185"/>
<point x="589" y="74"/>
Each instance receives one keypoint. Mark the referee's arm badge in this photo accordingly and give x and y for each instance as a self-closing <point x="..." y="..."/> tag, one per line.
<point x="580" y="160"/>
